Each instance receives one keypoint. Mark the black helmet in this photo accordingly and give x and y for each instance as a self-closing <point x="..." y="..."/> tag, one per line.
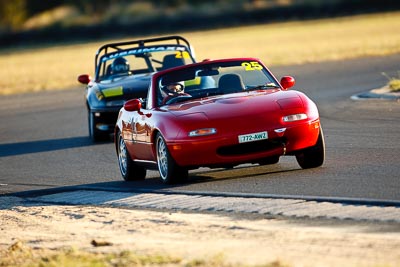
<point x="120" y="65"/>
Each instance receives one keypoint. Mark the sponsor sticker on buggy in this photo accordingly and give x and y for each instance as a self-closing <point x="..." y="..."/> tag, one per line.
<point x="253" y="137"/>
<point x="151" y="49"/>
<point x="195" y="81"/>
<point x="115" y="91"/>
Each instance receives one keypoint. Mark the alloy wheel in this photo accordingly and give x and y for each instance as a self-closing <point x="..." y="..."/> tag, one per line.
<point x="162" y="157"/>
<point x="122" y="157"/>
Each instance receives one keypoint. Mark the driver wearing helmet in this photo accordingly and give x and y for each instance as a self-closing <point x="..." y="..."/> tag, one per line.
<point x="173" y="90"/>
<point x="120" y="66"/>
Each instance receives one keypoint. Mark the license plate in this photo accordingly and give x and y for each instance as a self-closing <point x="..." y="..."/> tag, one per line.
<point x="253" y="137"/>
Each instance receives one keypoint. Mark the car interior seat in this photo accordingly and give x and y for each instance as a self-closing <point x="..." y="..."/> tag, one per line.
<point x="108" y="70"/>
<point x="170" y="61"/>
<point x="230" y="83"/>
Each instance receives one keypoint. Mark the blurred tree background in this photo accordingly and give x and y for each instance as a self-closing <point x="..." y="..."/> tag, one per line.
<point x="61" y="20"/>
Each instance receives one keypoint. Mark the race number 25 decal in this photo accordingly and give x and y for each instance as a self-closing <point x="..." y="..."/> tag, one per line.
<point x="182" y="54"/>
<point x="253" y="65"/>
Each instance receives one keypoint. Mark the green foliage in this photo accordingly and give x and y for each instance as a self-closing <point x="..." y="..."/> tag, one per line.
<point x="393" y="82"/>
<point x="12" y="14"/>
<point x="395" y="85"/>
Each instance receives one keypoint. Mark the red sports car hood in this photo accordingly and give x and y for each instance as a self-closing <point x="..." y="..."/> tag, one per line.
<point x="239" y="104"/>
<point x="239" y="112"/>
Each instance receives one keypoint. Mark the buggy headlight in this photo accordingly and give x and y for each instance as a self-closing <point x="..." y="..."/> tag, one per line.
<point x="203" y="132"/>
<point x="295" y="117"/>
<point x="99" y="95"/>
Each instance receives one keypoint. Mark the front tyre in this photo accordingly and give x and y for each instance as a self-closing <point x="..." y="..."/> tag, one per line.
<point x="314" y="156"/>
<point x="94" y="133"/>
<point x="169" y="171"/>
<point x="129" y="170"/>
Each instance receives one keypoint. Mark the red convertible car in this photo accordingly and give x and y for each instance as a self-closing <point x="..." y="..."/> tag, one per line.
<point x="217" y="113"/>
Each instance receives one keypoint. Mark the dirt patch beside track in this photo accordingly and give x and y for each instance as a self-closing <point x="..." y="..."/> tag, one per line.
<point x="240" y="240"/>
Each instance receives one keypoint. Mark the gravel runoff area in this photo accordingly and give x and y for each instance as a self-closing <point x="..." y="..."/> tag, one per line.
<point x="49" y="223"/>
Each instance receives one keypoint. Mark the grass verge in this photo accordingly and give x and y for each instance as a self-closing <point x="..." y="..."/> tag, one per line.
<point x="20" y="255"/>
<point x="53" y="68"/>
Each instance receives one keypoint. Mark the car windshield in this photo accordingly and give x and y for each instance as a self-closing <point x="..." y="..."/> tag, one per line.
<point x="142" y="61"/>
<point x="214" y="79"/>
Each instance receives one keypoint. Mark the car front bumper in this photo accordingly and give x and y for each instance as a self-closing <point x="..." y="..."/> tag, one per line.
<point x="213" y="151"/>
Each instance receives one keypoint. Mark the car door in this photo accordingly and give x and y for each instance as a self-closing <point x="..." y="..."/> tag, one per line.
<point x="142" y="132"/>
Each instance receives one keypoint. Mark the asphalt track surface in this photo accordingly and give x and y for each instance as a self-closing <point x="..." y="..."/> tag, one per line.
<point x="44" y="143"/>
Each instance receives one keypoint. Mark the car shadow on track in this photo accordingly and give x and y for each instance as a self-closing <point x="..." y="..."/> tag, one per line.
<point x="14" y="149"/>
<point x="204" y="175"/>
<point x="243" y="173"/>
<point x="154" y="184"/>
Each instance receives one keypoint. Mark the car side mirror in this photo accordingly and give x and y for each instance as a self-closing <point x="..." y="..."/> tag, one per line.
<point x="287" y="82"/>
<point x="84" y="78"/>
<point x="133" y="105"/>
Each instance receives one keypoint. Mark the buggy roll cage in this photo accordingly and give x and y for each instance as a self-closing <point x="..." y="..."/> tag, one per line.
<point x="114" y="47"/>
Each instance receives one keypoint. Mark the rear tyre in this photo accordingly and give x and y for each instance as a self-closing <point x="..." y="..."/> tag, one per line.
<point x="170" y="172"/>
<point x="314" y="156"/>
<point x="129" y="170"/>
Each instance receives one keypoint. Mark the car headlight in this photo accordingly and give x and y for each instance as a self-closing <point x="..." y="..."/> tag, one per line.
<point x="99" y="95"/>
<point x="203" y="132"/>
<point x="295" y="117"/>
